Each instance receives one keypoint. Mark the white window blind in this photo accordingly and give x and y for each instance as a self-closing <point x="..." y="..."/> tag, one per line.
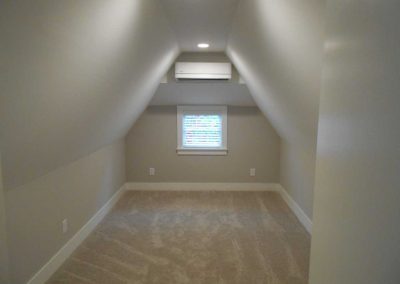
<point x="202" y="130"/>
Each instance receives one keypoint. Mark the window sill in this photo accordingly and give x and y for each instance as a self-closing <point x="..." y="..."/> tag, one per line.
<point x="202" y="152"/>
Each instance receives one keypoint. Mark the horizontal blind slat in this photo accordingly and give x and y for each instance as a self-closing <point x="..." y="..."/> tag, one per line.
<point x="202" y="131"/>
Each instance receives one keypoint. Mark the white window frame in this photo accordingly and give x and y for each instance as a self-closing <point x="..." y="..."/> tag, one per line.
<point x="219" y="110"/>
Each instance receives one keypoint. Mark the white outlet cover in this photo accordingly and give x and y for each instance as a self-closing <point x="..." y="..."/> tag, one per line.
<point x="152" y="171"/>
<point x="252" y="172"/>
<point x="65" y="226"/>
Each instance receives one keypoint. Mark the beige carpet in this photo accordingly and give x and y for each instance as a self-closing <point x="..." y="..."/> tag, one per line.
<point x="193" y="237"/>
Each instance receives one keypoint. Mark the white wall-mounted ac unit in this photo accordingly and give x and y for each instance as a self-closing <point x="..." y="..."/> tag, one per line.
<point x="203" y="71"/>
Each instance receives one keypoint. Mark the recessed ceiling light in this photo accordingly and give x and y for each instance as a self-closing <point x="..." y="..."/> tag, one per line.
<point x="203" y="45"/>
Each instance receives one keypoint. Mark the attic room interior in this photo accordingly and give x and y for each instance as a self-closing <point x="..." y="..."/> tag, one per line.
<point x="199" y="141"/>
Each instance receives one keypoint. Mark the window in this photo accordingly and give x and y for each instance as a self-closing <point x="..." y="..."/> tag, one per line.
<point x="202" y="130"/>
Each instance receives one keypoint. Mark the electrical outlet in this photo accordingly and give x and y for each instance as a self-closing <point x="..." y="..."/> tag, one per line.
<point x="152" y="171"/>
<point x="65" y="226"/>
<point x="252" y="172"/>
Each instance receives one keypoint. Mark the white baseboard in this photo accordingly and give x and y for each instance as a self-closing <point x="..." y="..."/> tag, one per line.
<point x="58" y="259"/>
<point x="303" y="218"/>
<point x="201" y="186"/>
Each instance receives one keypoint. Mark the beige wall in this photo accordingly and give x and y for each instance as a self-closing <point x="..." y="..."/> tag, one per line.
<point x="277" y="48"/>
<point x="3" y="235"/>
<point x="356" y="234"/>
<point x="75" y="191"/>
<point x="252" y="143"/>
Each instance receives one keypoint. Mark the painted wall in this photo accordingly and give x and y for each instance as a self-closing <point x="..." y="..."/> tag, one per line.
<point x="76" y="191"/>
<point x="252" y="143"/>
<point x="3" y="235"/>
<point x="74" y="77"/>
<point x="356" y="233"/>
<point x="277" y="48"/>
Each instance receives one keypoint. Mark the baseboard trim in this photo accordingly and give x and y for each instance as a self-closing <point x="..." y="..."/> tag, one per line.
<point x="58" y="259"/>
<point x="303" y="218"/>
<point x="201" y="186"/>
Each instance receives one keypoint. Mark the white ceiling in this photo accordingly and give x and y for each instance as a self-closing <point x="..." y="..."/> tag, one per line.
<point x="197" y="21"/>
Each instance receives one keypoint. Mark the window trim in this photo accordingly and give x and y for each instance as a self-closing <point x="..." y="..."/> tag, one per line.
<point x="202" y="109"/>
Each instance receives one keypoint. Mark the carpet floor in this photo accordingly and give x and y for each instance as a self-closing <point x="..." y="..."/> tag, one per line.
<point x="193" y="237"/>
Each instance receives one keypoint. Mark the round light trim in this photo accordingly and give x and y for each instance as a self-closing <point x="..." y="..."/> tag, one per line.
<point x="203" y="45"/>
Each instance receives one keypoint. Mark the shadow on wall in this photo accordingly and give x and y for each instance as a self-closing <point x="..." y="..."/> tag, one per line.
<point x="280" y="60"/>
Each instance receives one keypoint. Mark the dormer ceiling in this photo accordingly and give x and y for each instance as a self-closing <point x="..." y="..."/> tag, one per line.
<point x="201" y="21"/>
<point x="75" y="75"/>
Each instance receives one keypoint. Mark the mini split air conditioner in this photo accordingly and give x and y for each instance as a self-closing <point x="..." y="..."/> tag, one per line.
<point x="203" y="71"/>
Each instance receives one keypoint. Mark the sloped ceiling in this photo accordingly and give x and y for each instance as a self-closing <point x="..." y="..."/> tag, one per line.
<point x="201" y="21"/>
<point x="277" y="48"/>
<point x="75" y="75"/>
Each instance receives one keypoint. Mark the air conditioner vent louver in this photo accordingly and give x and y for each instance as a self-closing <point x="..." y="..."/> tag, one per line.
<point x="203" y="71"/>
